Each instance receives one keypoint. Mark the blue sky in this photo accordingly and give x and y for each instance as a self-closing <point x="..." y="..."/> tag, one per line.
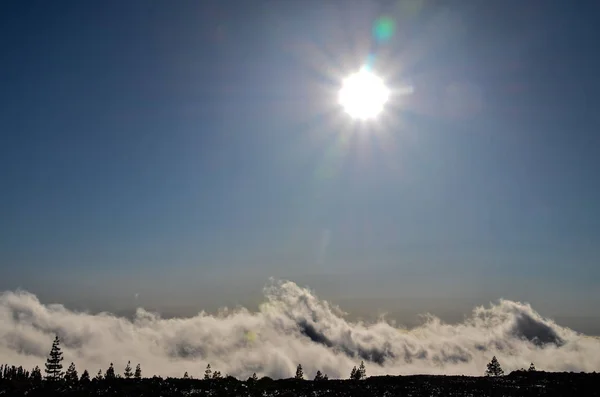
<point x="187" y="151"/>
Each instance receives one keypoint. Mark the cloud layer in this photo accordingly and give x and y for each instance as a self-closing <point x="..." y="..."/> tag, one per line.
<point x="292" y="326"/>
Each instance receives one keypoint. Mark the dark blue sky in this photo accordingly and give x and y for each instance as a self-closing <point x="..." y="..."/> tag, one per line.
<point x="189" y="150"/>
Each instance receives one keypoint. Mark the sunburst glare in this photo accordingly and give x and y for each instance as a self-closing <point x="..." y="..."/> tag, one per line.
<point x="362" y="87"/>
<point x="363" y="95"/>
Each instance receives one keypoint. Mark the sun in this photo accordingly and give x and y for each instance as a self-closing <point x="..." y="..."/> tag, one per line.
<point x="363" y="95"/>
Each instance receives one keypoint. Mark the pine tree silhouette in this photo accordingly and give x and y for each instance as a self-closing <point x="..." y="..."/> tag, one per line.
<point x="71" y="376"/>
<point x="208" y="372"/>
<point x="128" y="374"/>
<point x="217" y="375"/>
<point x="110" y="373"/>
<point x="353" y="373"/>
<point x="362" y="372"/>
<point x="531" y="368"/>
<point x="85" y="377"/>
<point x="186" y="376"/>
<point x="53" y="363"/>
<point x="299" y="372"/>
<point x="493" y="368"/>
<point x="318" y="376"/>
<point x="138" y="372"/>
<point x="99" y="376"/>
<point x="36" y="375"/>
<point x="21" y="373"/>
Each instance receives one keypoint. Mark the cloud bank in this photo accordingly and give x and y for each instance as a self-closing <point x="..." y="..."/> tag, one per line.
<point x="292" y="326"/>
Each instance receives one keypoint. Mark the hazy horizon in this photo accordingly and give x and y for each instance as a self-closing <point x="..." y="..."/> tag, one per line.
<point x="291" y="326"/>
<point x="404" y="309"/>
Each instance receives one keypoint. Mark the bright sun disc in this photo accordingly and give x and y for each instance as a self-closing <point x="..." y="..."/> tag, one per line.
<point x="363" y="95"/>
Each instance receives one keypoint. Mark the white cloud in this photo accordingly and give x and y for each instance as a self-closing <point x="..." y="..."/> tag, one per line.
<point x="292" y="326"/>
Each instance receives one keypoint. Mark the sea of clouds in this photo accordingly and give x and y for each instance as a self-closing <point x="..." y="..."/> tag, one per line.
<point x="292" y="326"/>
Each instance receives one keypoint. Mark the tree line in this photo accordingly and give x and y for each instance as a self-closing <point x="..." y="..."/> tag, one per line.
<point x="54" y="371"/>
<point x="16" y="381"/>
<point x="495" y="369"/>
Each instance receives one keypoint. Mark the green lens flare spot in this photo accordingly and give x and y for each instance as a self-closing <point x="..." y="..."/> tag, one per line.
<point x="383" y="29"/>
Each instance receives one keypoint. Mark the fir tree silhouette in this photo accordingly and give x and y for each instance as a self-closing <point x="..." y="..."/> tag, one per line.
<point x="36" y="376"/>
<point x="71" y="376"/>
<point x="493" y="368"/>
<point x="110" y="373"/>
<point x="299" y="372"/>
<point x="85" y="377"/>
<point x="53" y="363"/>
<point x="128" y="374"/>
<point x="362" y="372"/>
<point x="531" y="368"/>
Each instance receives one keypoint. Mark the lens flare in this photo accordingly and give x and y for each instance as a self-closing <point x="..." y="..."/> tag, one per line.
<point x="383" y="28"/>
